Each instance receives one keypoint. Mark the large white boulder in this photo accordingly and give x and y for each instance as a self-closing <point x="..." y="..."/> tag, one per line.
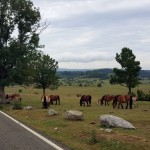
<point x="74" y="115"/>
<point x="113" y="121"/>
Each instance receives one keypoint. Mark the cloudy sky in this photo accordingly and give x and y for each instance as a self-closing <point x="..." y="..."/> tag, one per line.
<point x="88" y="33"/>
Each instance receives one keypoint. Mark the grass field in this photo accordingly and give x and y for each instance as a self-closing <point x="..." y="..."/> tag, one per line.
<point x="87" y="134"/>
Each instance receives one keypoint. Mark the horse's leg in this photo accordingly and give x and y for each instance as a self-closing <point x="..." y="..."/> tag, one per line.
<point x="107" y="103"/>
<point x="114" y="104"/>
<point x="81" y="102"/>
<point x="87" y="103"/>
<point x="121" y="105"/>
<point x="118" y="105"/>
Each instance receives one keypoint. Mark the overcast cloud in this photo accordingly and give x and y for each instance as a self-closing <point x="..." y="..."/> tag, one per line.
<point x="88" y="33"/>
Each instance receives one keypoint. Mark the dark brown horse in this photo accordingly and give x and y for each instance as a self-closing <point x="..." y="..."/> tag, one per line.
<point x="120" y="99"/>
<point x="55" y="98"/>
<point x="85" y="99"/>
<point x="106" y="98"/>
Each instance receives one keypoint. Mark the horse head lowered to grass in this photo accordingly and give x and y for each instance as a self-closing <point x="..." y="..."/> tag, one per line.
<point x="85" y="99"/>
<point x="48" y="100"/>
<point x="105" y="99"/>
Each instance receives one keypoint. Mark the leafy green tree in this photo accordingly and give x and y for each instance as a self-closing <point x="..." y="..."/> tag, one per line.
<point x="19" y="38"/>
<point x="45" y="73"/>
<point x="129" y="72"/>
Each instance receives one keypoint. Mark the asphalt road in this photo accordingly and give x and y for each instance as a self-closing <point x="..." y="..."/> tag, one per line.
<point x="15" y="136"/>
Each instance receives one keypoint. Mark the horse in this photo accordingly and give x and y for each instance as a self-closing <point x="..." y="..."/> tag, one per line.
<point x="120" y="99"/>
<point x="53" y="98"/>
<point x="85" y="99"/>
<point x="13" y="97"/>
<point x="106" y="98"/>
<point x="50" y="99"/>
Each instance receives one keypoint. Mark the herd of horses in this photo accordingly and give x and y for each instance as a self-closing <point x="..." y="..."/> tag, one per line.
<point x="85" y="100"/>
<point x="118" y="100"/>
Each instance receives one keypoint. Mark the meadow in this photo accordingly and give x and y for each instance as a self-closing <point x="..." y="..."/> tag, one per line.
<point x="87" y="134"/>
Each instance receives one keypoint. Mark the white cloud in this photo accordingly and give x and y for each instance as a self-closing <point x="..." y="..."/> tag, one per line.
<point x="88" y="33"/>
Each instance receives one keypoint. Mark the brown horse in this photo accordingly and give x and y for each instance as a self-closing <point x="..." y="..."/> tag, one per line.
<point x="85" y="99"/>
<point x="47" y="100"/>
<point x="106" y="98"/>
<point x="13" y="97"/>
<point x="120" y="99"/>
<point x="55" y="98"/>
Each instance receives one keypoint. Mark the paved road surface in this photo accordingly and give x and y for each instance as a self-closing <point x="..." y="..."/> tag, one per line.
<point x="15" y="136"/>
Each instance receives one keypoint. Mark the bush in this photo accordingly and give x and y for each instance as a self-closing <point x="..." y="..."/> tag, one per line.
<point x="20" y="91"/>
<point x="1" y="107"/>
<point x="142" y="96"/>
<point x="16" y="105"/>
<point x="93" y="138"/>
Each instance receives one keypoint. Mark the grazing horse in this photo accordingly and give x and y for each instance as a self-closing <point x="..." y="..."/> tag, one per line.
<point x="120" y="99"/>
<point x="106" y="98"/>
<point x="53" y="98"/>
<point x="50" y="99"/>
<point x="13" y="97"/>
<point x="85" y="99"/>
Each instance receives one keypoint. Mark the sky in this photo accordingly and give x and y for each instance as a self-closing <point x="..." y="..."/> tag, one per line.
<point x="87" y="34"/>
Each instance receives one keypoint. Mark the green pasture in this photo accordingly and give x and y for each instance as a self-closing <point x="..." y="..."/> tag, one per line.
<point x="87" y="134"/>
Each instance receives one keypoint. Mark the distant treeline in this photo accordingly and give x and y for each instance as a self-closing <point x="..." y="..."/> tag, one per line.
<point x="99" y="73"/>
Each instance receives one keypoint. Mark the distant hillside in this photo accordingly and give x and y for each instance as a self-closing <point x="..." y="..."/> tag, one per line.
<point x="98" y="73"/>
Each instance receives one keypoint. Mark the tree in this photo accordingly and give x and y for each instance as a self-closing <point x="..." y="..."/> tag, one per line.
<point x="19" y="38"/>
<point x="129" y="72"/>
<point x="45" y="73"/>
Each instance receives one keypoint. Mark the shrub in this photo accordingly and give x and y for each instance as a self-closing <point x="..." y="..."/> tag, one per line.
<point x="16" y="105"/>
<point x="142" y="96"/>
<point x="20" y="91"/>
<point x="93" y="138"/>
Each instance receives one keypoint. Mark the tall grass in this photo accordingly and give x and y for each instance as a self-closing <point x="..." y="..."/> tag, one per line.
<point x="79" y="135"/>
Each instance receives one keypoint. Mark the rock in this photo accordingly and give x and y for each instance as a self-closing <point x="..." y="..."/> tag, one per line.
<point x="74" y="115"/>
<point x="52" y="112"/>
<point x="28" y="108"/>
<point x="108" y="130"/>
<point x="113" y="121"/>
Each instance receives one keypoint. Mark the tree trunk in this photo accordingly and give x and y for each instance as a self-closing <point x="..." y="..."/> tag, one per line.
<point x="2" y="94"/>
<point x="130" y="93"/>
<point x="43" y="91"/>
